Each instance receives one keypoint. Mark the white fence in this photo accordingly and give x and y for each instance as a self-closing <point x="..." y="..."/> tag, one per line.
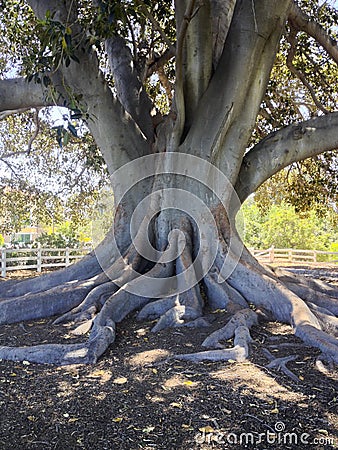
<point x="39" y="258"/>
<point x="295" y="256"/>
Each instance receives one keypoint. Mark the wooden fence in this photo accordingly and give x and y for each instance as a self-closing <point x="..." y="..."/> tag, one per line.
<point x="39" y="258"/>
<point x="295" y="256"/>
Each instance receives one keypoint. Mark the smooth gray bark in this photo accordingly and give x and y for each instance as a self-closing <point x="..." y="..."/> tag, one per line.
<point x="284" y="147"/>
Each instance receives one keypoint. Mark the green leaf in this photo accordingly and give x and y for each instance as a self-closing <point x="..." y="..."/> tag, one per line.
<point x="72" y="129"/>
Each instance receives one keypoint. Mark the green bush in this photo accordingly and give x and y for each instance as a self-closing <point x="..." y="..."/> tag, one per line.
<point x="57" y="240"/>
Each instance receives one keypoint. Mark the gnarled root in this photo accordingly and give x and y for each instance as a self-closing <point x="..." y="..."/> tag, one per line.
<point x="180" y="297"/>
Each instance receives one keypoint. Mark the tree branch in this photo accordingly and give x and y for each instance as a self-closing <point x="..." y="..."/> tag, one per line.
<point x="36" y="131"/>
<point x="221" y="12"/>
<point x="16" y="95"/>
<point x="129" y="89"/>
<point x="113" y="129"/>
<point x="289" y="62"/>
<point x="156" y="25"/>
<point x="230" y="107"/>
<point x="193" y="53"/>
<point x="284" y="147"/>
<point x="303" y="22"/>
<point x="159" y="62"/>
<point x="182" y="22"/>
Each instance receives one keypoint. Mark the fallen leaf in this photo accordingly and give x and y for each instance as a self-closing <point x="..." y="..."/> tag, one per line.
<point x="120" y="380"/>
<point x="31" y="418"/>
<point x="118" y="419"/>
<point x="73" y="419"/>
<point x="301" y="377"/>
<point x="148" y="429"/>
<point x="206" y="429"/>
<point x="176" y="405"/>
<point x="154" y="371"/>
<point x="323" y="432"/>
<point x="96" y="374"/>
<point x="188" y="383"/>
<point x="274" y="411"/>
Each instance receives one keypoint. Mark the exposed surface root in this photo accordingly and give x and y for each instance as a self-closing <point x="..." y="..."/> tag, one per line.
<point x="156" y="309"/>
<point x="172" y="318"/>
<point x="55" y="301"/>
<point x="319" y="339"/>
<point x="305" y="284"/>
<point x="222" y="295"/>
<point x="244" y="319"/>
<point x="83" y="270"/>
<point x="102" y="335"/>
<point x="90" y="305"/>
<point x="239" y="352"/>
<point x="96" y="304"/>
<point x="280" y="364"/>
<point x="328" y="321"/>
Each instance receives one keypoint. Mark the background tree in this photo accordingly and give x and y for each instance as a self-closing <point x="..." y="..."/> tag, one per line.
<point x="281" y="226"/>
<point x="245" y="88"/>
<point x="48" y="173"/>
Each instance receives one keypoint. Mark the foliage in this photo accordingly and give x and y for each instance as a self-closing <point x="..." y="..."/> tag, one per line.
<point x="46" y="183"/>
<point x="2" y="240"/>
<point x="311" y="184"/>
<point x="67" y="157"/>
<point x="282" y="227"/>
<point x="66" y="235"/>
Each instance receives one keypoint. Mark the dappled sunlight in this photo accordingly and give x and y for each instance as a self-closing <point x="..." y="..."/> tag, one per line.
<point x="248" y="378"/>
<point x="180" y="381"/>
<point x="148" y="357"/>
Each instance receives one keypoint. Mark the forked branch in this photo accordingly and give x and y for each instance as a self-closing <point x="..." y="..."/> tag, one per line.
<point x="303" y="22"/>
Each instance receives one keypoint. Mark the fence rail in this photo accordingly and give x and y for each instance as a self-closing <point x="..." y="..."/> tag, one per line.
<point x="39" y="258"/>
<point x="294" y="255"/>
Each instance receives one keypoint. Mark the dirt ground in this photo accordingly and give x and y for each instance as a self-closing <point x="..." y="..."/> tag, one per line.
<point x="129" y="400"/>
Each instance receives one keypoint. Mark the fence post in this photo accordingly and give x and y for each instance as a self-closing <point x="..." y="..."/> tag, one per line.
<point x="315" y="256"/>
<point x="67" y="257"/>
<point x="272" y="254"/>
<point x="290" y="255"/>
<point x="3" y="262"/>
<point x="39" y="259"/>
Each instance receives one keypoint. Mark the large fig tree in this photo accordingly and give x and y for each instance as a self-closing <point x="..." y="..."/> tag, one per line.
<point x="193" y="105"/>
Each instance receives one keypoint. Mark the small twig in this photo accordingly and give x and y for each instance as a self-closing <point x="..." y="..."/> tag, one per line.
<point x="280" y="364"/>
<point x="292" y="39"/>
<point x="260" y="421"/>
<point x="155" y="24"/>
<point x="36" y="131"/>
<point x="4" y="114"/>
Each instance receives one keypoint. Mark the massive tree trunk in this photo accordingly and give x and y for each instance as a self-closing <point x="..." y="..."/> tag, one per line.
<point x="173" y="253"/>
